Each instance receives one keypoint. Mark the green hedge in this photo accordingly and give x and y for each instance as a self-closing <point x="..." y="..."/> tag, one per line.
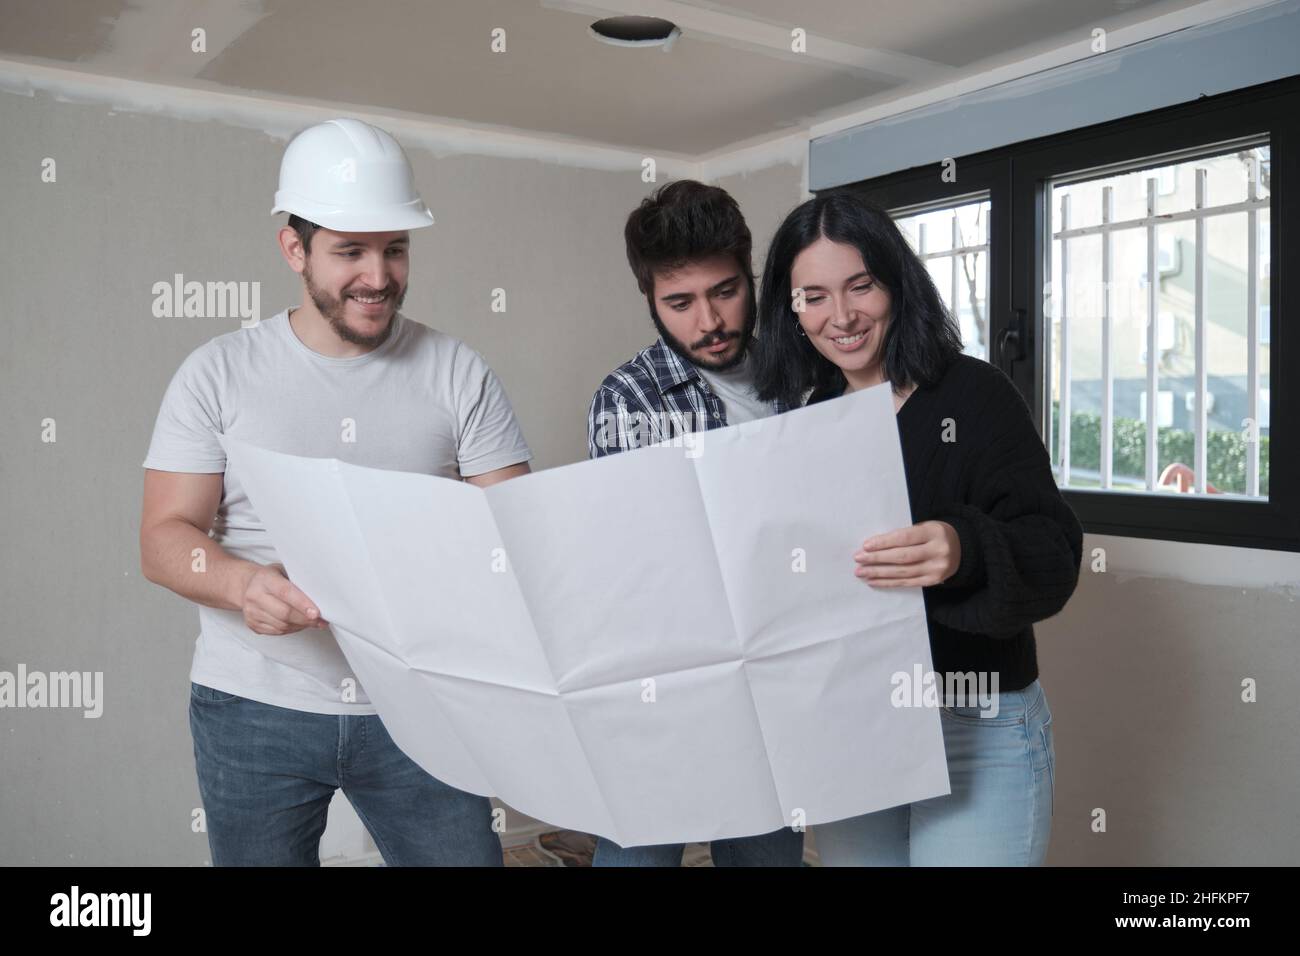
<point x="1225" y="450"/>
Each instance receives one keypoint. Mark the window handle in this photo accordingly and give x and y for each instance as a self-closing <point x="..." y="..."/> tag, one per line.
<point x="1011" y="340"/>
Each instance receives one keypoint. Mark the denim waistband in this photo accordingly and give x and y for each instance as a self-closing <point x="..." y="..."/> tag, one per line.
<point x="1026" y="700"/>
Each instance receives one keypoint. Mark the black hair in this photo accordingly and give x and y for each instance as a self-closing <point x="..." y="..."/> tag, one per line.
<point x="921" y="338"/>
<point x="683" y="222"/>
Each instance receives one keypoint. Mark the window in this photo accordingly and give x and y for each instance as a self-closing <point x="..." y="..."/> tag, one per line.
<point x="1122" y="276"/>
<point x="1203" y="357"/>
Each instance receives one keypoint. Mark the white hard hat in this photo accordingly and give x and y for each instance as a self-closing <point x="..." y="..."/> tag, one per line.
<point x="349" y="176"/>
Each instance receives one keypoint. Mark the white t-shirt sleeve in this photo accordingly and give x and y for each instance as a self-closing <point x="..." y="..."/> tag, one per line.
<point x="189" y="420"/>
<point x="488" y="437"/>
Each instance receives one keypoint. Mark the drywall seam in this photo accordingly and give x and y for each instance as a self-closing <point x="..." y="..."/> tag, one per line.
<point x="789" y="149"/>
<point x="143" y="36"/>
<point x="281" y="117"/>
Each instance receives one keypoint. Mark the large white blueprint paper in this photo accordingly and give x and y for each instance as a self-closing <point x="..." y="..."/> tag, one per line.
<point x="666" y="645"/>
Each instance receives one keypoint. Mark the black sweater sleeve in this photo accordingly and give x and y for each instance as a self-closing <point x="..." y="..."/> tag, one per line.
<point x="1021" y="544"/>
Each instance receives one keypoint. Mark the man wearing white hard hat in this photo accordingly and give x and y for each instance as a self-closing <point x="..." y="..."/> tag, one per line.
<point x="279" y="720"/>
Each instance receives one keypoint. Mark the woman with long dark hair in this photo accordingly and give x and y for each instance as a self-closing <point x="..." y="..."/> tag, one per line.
<point x="846" y="304"/>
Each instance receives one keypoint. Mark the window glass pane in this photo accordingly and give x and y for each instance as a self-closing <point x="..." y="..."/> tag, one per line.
<point x="953" y="242"/>
<point x="1077" y="289"/>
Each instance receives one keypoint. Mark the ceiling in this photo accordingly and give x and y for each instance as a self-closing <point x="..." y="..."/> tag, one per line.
<point x="729" y="78"/>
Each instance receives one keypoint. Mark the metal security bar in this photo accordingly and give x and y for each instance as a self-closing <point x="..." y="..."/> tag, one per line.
<point x="1252" y="327"/>
<point x="1065" y="413"/>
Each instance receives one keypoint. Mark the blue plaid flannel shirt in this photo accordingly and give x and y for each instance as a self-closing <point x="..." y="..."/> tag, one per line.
<point x="656" y="396"/>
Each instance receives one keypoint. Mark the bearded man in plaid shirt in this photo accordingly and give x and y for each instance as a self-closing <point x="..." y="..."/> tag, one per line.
<point x="689" y="249"/>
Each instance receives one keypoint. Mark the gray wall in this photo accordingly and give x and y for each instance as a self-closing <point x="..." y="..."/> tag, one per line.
<point x="765" y="196"/>
<point x="1143" y="671"/>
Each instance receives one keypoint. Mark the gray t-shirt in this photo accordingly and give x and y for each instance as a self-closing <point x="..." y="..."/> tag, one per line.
<point x="420" y="402"/>
<point x="735" y="388"/>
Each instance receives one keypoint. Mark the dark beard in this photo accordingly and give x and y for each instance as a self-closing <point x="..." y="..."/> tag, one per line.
<point x="332" y="309"/>
<point x="683" y="352"/>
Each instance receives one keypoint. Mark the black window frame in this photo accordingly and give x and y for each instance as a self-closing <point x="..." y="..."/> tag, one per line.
<point x="1016" y="178"/>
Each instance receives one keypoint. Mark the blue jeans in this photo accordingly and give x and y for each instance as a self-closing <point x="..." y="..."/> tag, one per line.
<point x="782" y="847"/>
<point x="1002" y="770"/>
<point x="267" y="774"/>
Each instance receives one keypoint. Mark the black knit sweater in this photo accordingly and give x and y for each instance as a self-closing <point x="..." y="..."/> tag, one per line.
<point x="1021" y="545"/>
